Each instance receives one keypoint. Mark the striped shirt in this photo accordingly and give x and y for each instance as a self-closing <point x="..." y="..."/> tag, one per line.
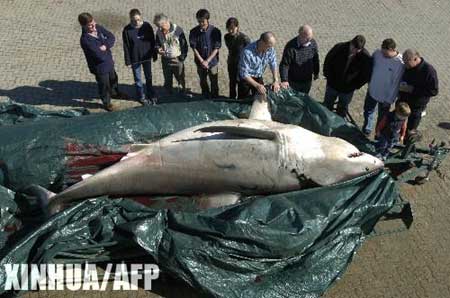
<point x="253" y="64"/>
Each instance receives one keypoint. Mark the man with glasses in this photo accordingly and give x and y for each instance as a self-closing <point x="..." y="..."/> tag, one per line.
<point x="419" y="83"/>
<point x="206" y="40"/>
<point x="387" y="70"/>
<point x="171" y="44"/>
<point x="253" y="62"/>
<point x="347" y="67"/>
<point x="139" y="49"/>
<point x="96" y="43"/>
<point x="300" y="62"/>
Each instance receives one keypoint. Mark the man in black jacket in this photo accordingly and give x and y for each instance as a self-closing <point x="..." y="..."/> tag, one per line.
<point x="235" y="41"/>
<point x="418" y="84"/>
<point x="139" y="50"/>
<point x="300" y="62"/>
<point x="347" y="67"/>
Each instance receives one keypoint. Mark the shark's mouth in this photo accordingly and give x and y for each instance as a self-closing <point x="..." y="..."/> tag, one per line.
<point x="356" y="154"/>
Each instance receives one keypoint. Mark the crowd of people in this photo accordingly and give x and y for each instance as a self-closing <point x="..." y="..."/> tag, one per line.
<point x="405" y="81"/>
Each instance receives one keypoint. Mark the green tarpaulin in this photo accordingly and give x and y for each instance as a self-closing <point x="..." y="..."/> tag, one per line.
<point x="293" y="244"/>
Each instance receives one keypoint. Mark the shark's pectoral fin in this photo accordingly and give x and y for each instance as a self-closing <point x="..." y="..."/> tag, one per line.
<point x="242" y="132"/>
<point x="217" y="200"/>
<point x="138" y="147"/>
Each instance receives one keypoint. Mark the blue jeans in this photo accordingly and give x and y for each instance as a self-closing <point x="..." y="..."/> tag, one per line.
<point x="370" y="105"/>
<point x="343" y="102"/>
<point x="147" y="66"/>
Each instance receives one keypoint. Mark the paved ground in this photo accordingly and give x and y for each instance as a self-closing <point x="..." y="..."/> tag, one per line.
<point x="41" y="64"/>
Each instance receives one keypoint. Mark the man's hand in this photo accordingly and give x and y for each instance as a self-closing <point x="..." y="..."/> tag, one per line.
<point x="404" y="87"/>
<point x="103" y="48"/>
<point x="276" y="86"/>
<point x="284" y="85"/>
<point x="160" y="51"/>
<point x="261" y="89"/>
<point x="205" y="64"/>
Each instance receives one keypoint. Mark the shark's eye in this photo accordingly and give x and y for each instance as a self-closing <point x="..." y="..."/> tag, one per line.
<point x="367" y="169"/>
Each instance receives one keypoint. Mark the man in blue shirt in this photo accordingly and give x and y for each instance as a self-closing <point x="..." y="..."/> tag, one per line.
<point x="206" y="40"/>
<point x="254" y="59"/>
<point x="96" y="43"/>
<point x="139" y="51"/>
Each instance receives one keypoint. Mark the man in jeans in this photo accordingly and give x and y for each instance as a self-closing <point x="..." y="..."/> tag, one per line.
<point x="387" y="71"/>
<point x="347" y="67"/>
<point x="171" y="44"/>
<point x="300" y="62"/>
<point x="96" y="43"/>
<point x="139" y="50"/>
<point x="206" y="40"/>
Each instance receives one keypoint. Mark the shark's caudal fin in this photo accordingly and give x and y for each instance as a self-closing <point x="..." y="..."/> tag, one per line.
<point x="42" y="195"/>
<point x="241" y="131"/>
<point x="260" y="109"/>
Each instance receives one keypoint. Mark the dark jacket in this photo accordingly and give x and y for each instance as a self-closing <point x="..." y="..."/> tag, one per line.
<point x="98" y="61"/>
<point x="299" y="63"/>
<point x="424" y="79"/>
<point x="205" y="42"/>
<point x="235" y="44"/>
<point x="138" y="43"/>
<point x="178" y="34"/>
<point x="346" y="78"/>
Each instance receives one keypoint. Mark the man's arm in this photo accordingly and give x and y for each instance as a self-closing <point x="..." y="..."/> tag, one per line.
<point x="286" y="60"/>
<point x="431" y="87"/>
<point x="244" y="73"/>
<point x="183" y="46"/>
<point x="151" y="35"/>
<point x="110" y="39"/>
<point x="274" y="69"/>
<point x="126" y="50"/>
<point x="216" y="41"/>
<point x="316" y="62"/>
<point x="328" y="58"/>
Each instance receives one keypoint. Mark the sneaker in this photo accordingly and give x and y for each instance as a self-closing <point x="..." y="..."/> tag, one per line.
<point x="367" y="133"/>
<point x="424" y="113"/>
<point x="143" y="101"/>
<point x="153" y="101"/>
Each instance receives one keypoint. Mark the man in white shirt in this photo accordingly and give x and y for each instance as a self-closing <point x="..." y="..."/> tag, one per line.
<point x="388" y="68"/>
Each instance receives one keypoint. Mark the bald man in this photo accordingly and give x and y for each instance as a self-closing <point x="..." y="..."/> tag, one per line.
<point x="300" y="62"/>
<point x="418" y="84"/>
<point x="254" y="59"/>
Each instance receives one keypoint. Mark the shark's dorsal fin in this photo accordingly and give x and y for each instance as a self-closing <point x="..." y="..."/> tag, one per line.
<point x="260" y="109"/>
<point x="241" y="131"/>
<point x="138" y="147"/>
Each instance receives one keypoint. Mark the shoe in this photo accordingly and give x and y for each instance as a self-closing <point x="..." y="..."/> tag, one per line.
<point x="109" y="107"/>
<point x="153" y="100"/>
<point x="367" y="133"/>
<point x="143" y="101"/>
<point x="120" y="95"/>
<point x="424" y="113"/>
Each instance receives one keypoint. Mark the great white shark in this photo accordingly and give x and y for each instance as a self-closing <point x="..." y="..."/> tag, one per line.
<point x="223" y="160"/>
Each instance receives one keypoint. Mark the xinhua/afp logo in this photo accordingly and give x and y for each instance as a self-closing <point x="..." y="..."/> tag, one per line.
<point x="76" y="277"/>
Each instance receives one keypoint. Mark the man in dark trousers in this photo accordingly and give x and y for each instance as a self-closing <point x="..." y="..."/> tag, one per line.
<point x="235" y="41"/>
<point x="96" y="43"/>
<point x="347" y="67"/>
<point x="206" y="40"/>
<point x="418" y="84"/>
<point x="300" y="61"/>
<point x="139" y="49"/>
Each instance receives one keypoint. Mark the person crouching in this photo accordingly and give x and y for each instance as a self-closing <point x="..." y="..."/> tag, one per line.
<point x="392" y="129"/>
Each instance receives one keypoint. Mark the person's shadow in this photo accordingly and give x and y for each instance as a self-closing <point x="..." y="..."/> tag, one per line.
<point x="62" y="93"/>
<point x="81" y="94"/>
<point x="444" y="125"/>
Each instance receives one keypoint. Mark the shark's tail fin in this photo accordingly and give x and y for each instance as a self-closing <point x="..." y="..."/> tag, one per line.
<point x="43" y="197"/>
